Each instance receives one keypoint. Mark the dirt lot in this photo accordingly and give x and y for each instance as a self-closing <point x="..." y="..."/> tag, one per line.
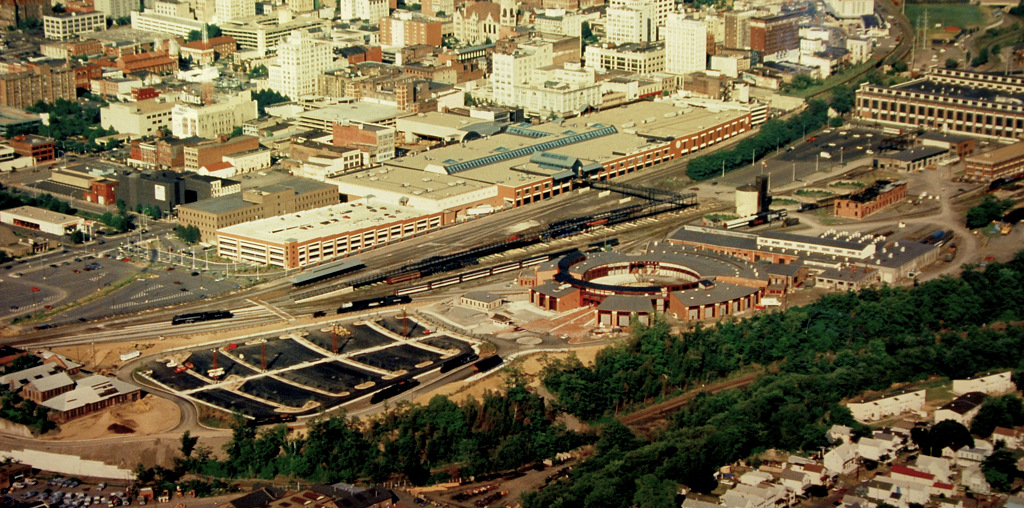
<point x="531" y="366"/>
<point x="147" y="416"/>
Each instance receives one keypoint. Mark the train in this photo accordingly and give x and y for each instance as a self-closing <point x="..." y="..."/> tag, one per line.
<point x="271" y="420"/>
<point x="454" y="363"/>
<point x="197" y="317"/>
<point x="999" y="183"/>
<point x="394" y="390"/>
<point x="371" y="303"/>
<point x="756" y="220"/>
<point x="483" y="272"/>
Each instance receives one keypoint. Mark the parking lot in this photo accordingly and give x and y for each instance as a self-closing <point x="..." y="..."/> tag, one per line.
<point x="56" y="282"/>
<point x="297" y="373"/>
<point x="67" y="493"/>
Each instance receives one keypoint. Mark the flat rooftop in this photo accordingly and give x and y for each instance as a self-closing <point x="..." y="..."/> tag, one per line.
<point x="358" y="112"/>
<point x="926" y="86"/>
<point x="662" y="119"/>
<point x="998" y="155"/>
<point x="41" y="215"/>
<point x="326" y="221"/>
<point x="412" y="181"/>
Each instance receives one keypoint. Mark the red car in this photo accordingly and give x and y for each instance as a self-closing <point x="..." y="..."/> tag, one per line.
<point x="812" y="139"/>
<point x="127" y="260"/>
<point x="229" y="347"/>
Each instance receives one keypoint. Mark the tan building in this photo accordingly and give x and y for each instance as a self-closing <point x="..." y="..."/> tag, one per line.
<point x="138" y="119"/>
<point x="482" y="300"/>
<point x="24" y="85"/>
<point x="71" y="24"/>
<point x="210" y="152"/>
<point x="1003" y="162"/>
<point x="296" y="195"/>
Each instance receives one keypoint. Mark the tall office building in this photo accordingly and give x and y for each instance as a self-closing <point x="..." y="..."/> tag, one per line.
<point x="228" y="10"/>
<point x="300" y="59"/>
<point x="637" y="20"/>
<point x="516" y="67"/>
<point x="737" y="29"/>
<point x="777" y="36"/>
<point x="116" y="8"/>
<point x="686" y="44"/>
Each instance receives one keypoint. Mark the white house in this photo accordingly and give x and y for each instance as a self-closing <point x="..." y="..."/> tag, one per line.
<point x="937" y="466"/>
<point x="1011" y="437"/>
<point x="971" y="477"/>
<point x="755" y="478"/>
<point x="992" y="384"/>
<point x="840" y="433"/>
<point x="962" y="409"/>
<point x="795" y="481"/>
<point x="841" y="459"/>
<point x="877" y="409"/>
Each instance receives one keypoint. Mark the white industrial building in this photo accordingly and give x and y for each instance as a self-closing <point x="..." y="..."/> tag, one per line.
<point x="211" y="120"/>
<point x="877" y="409"/>
<point x="39" y="219"/>
<point x="993" y="384"/>
<point x="68" y="25"/>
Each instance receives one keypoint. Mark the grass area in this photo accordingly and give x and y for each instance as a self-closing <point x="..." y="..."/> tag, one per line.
<point x="847" y="183"/>
<point x="785" y="201"/>
<point x="958" y="15"/>
<point x="718" y="217"/>
<point x="815" y="193"/>
<point x="832" y="81"/>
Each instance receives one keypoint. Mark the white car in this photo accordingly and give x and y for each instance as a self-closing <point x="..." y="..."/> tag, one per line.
<point x="869" y="152"/>
<point x="825" y="155"/>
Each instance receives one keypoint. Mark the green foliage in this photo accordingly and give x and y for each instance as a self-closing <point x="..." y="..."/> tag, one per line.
<point x="58" y="8"/>
<point x="773" y="134"/>
<point x="981" y="59"/>
<point x="260" y="71"/>
<point x="11" y="198"/>
<point x="450" y="42"/>
<point x="23" y="362"/>
<point x="501" y="432"/>
<point x="187" y="234"/>
<point x="25" y="412"/>
<point x="237" y="131"/>
<point x="946" y="433"/>
<point x="123" y="20"/>
<point x="842" y="99"/>
<point x="1018" y="10"/>
<point x="73" y="127"/>
<point x="30" y="24"/>
<point x="266" y="98"/>
<point x="469" y="100"/>
<point x="836" y="122"/>
<point x="1000" y="469"/>
<point x="122" y="222"/>
<point x="1005" y="411"/>
<point x="990" y="209"/>
<point x="211" y="32"/>
<point x="802" y="81"/>
<point x="152" y="211"/>
<point x="817" y="355"/>
<point x="76" y="237"/>
<point x="900" y="67"/>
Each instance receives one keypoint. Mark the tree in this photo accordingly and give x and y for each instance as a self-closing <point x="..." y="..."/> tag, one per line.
<point x="468" y="99"/>
<point x="990" y="209"/>
<point x="188" y="443"/>
<point x="266" y="98"/>
<point x="1000" y="469"/>
<point x="76" y="236"/>
<point x="58" y="8"/>
<point x="188" y="234"/>
<point x="260" y="71"/>
<point x="211" y="32"/>
<point x="237" y="131"/>
<point x="123" y="20"/>
<point x="842" y="99"/>
<point x="1005" y="411"/>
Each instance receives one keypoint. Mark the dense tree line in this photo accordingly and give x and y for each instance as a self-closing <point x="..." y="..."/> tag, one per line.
<point x="73" y="127"/>
<point x="814" y="356"/>
<point x="11" y="198"/>
<point x="773" y="134"/>
<point x="433" y="442"/>
<point x="266" y="98"/>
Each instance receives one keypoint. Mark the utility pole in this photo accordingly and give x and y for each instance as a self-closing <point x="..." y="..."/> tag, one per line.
<point x="794" y="172"/>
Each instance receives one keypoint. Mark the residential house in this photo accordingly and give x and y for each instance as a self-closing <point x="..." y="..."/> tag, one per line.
<point x="967" y="455"/>
<point x="816" y="473"/>
<point x="938" y="466"/>
<point x="876" y="409"/>
<point x="962" y="409"/>
<point x="992" y="384"/>
<point x="840" y="433"/>
<point x="972" y="479"/>
<point x="842" y="459"/>
<point x="755" y="478"/>
<point x="796" y="481"/>
<point x="751" y="496"/>
<point x="1010" y="437"/>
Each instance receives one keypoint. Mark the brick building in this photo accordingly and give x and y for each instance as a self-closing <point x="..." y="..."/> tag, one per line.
<point x="153" y="61"/>
<point x="206" y="53"/>
<point x="1003" y="162"/>
<point x="13" y="11"/>
<point x="872" y="199"/>
<point x="295" y="195"/>
<point x="160" y="153"/>
<point x="951" y="100"/>
<point x="38" y="147"/>
<point x="775" y="35"/>
<point x="406" y="28"/>
<point x="24" y="85"/>
<point x="376" y="140"/>
<point x="210" y="152"/>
